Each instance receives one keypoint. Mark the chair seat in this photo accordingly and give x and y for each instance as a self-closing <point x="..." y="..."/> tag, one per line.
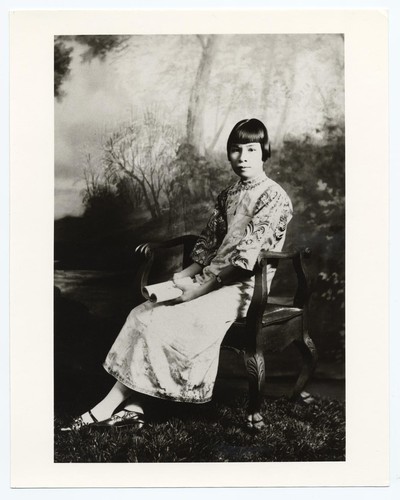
<point x="282" y="326"/>
<point x="274" y="314"/>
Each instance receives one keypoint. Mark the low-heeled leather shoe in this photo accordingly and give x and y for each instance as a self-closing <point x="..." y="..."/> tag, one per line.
<point x="255" y="423"/>
<point x="126" y="419"/>
<point x="78" y="423"/>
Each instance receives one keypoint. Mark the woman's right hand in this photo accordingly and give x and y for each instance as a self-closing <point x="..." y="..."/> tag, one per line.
<point x="188" y="272"/>
<point x="190" y="290"/>
<point x="178" y="276"/>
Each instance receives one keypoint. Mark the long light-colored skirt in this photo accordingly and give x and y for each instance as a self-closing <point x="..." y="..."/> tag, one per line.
<point x="172" y="352"/>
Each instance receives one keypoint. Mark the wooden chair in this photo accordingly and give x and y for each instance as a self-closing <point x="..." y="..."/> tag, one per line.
<point x="267" y="326"/>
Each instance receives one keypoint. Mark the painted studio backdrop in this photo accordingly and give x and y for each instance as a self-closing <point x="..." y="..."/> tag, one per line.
<point x="141" y="124"/>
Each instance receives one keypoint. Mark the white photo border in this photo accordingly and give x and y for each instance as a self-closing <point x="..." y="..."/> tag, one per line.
<point x="31" y="263"/>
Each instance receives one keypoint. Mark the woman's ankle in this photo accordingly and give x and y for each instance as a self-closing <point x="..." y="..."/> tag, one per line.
<point x="134" y="406"/>
<point x="102" y="412"/>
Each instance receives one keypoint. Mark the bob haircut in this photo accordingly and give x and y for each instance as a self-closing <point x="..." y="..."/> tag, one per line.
<point x="251" y="130"/>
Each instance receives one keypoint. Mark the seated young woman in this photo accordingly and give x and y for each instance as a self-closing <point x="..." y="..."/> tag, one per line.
<point x="171" y="350"/>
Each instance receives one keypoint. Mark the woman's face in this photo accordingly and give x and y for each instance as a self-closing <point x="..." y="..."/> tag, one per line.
<point x="246" y="160"/>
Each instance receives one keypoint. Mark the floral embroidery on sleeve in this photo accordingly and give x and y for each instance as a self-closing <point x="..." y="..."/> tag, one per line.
<point x="212" y="235"/>
<point x="272" y="213"/>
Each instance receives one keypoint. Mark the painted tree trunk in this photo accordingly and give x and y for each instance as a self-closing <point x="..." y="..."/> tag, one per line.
<point x="267" y="80"/>
<point x="281" y="129"/>
<point x="198" y="96"/>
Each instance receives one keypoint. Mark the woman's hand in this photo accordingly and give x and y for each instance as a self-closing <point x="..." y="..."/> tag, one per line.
<point x="190" y="290"/>
<point x="188" y="272"/>
<point x="178" y="276"/>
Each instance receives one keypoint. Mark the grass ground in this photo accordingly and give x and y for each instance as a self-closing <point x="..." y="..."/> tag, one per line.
<point x="88" y="315"/>
<point x="214" y="432"/>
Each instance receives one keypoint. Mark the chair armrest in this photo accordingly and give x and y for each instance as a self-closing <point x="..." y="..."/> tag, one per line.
<point x="296" y="256"/>
<point x="266" y="255"/>
<point x="259" y="300"/>
<point x="147" y="252"/>
<point x="145" y="249"/>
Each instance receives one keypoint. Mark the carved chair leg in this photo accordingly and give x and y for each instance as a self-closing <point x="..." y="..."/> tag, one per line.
<point x="255" y="367"/>
<point x="309" y="355"/>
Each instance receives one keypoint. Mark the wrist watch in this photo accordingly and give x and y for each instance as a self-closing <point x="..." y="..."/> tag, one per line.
<point x="219" y="280"/>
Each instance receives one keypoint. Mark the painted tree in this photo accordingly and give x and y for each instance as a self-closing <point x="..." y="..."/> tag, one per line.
<point x="142" y="151"/>
<point x="199" y="92"/>
<point x="62" y="61"/>
<point x="96" y="46"/>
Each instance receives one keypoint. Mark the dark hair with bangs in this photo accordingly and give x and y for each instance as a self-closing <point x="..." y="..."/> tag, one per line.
<point x="251" y="130"/>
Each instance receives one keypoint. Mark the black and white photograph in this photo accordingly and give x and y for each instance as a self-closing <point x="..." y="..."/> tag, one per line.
<point x="213" y="165"/>
<point x="197" y="297"/>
